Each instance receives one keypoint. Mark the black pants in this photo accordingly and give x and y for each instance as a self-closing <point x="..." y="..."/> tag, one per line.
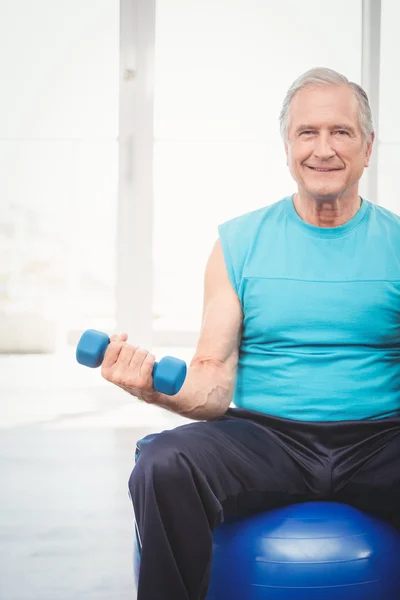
<point x="187" y="480"/>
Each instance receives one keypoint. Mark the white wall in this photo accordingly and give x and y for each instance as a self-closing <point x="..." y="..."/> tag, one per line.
<point x="59" y="165"/>
<point x="222" y="71"/>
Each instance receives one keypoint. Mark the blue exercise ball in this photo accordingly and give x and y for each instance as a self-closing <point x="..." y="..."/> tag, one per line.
<point x="311" y="551"/>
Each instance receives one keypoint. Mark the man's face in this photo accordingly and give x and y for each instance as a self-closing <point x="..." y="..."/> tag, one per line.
<point x="326" y="152"/>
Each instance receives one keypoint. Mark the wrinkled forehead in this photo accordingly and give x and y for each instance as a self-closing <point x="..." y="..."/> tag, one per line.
<point x="324" y="106"/>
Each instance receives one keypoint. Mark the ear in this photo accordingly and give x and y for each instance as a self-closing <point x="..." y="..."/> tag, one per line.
<point x="286" y="152"/>
<point x="368" y="150"/>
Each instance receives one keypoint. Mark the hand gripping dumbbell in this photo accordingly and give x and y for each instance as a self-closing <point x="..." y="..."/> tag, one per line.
<point x="168" y="374"/>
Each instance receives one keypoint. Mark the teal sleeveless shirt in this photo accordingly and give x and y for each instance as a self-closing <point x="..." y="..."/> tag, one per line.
<point x="321" y="306"/>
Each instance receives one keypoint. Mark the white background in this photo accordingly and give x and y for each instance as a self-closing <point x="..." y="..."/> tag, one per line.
<point x="222" y="69"/>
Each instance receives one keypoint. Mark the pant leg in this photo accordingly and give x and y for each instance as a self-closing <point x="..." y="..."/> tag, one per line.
<point x="187" y="480"/>
<point x="366" y="470"/>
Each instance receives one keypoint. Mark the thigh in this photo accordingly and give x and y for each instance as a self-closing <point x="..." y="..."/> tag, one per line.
<point x="370" y="480"/>
<point x="247" y="467"/>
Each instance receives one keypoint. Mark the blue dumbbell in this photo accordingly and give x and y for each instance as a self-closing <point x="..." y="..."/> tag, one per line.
<point x="168" y="374"/>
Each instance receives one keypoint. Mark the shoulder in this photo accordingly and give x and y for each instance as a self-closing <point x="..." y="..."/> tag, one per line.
<point x="238" y="234"/>
<point x="383" y="220"/>
<point x="384" y="213"/>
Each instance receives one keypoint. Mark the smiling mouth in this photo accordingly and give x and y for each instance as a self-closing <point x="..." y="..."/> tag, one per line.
<point x="322" y="170"/>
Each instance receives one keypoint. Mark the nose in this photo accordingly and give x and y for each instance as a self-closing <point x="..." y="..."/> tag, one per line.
<point x="322" y="148"/>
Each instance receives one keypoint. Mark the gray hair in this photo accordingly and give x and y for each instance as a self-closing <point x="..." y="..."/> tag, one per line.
<point x="322" y="76"/>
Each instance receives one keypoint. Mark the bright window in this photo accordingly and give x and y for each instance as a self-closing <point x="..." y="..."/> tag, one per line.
<point x="222" y="70"/>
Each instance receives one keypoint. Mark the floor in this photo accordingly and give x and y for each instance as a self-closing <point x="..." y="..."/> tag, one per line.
<point x="67" y="441"/>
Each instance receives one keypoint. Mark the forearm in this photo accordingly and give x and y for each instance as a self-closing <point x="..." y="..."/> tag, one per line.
<point x="205" y="395"/>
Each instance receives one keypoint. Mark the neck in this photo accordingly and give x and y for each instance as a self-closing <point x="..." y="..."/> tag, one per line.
<point x="326" y="212"/>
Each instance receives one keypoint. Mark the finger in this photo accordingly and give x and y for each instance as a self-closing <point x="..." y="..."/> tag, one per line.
<point x="126" y="354"/>
<point x="140" y="369"/>
<point x="112" y="354"/>
<point x="148" y="366"/>
<point x="119" y="337"/>
<point x="138" y="359"/>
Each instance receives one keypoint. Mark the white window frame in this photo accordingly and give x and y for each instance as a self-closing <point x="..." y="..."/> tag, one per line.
<point x="134" y="285"/>
<point x="370" y="73"/>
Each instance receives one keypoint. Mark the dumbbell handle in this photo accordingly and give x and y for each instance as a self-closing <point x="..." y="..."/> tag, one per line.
<point x="168" y="374"/>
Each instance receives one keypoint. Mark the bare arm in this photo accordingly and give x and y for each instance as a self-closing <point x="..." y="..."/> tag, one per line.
<point x="208" y="388"/>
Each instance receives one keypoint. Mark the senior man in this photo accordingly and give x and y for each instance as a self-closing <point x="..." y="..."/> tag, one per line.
<point x="301" y="332"/>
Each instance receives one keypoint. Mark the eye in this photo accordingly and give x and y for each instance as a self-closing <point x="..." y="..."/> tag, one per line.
<point x="342" y="132"/>
<point x="307" y="132"/>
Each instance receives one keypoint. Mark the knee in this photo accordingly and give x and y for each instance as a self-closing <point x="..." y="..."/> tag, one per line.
<point x="159" y="462"/>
